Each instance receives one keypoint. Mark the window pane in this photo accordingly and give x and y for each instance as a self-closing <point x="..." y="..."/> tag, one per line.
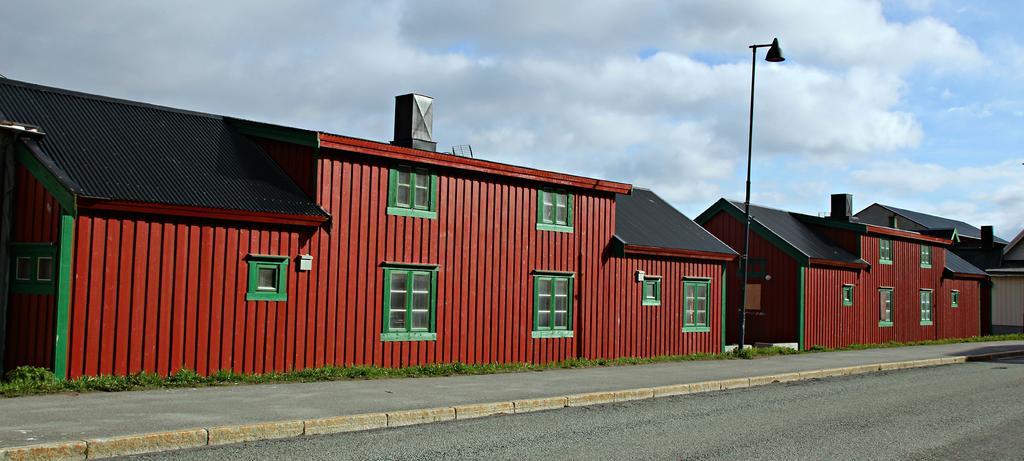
<point x="562" y="287"/>
<point x="649" y="290"/>
<point x="420" y="319"/>
<point x="397" y="319"/>
<point x="421" y="282"/>
<point x="561" y="209"/>
<point x="397" y="299"/>
<point x="544" y="319"/>
<point x="23" y="269"/>
<point x="548" y="212"/>
<point x="543" y="302"/>
<point x="403" y="188"/>
<point x="422" y="191"/>
<point x="402" y="196"/>
<point x="561" y="320"/>
<point x="44" y="269"/>
<point x="267" y="279"/>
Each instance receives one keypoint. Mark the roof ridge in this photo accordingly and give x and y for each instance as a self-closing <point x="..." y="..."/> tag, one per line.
<point x="103" y="98"/>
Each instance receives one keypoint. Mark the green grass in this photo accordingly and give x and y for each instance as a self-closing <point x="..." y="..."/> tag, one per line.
<point x="33" y="380"/>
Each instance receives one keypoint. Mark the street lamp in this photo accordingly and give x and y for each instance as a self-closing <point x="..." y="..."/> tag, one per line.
<point x="774" y="55"/>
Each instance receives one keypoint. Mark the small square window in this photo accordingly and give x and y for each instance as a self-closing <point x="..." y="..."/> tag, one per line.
<point x="954" y="298"/>
<point x="847" y="295"/>
<point x="410" y="302"/>
<point x="23" y="268"/>
<point x="412" y="192"/>
<point x="926" y="256"/>
<point x="552" y="306"/>
<point x="44" y="269"/>
<point x="554" y="211"/>
<point x="884" y="251"/>
<point x="885" y="307"/>
<point x="651" y="291"/>
<point x="926" y="307"/>
<point x="268" y="278"/>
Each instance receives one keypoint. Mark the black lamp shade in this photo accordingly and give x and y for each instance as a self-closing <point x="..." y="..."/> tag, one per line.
<point x="774" y="53"/>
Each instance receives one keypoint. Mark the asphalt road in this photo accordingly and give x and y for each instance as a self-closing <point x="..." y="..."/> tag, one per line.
<point x="971" y="411"/>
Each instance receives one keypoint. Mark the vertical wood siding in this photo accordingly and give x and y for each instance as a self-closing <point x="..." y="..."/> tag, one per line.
<point x="621" y="326"/>
<point x="826" y="321"/>
<point x="779" y="316"/>
<point x="164" y="294"/>
<point x="30" y="317"/>
<point x="961" y="321"/>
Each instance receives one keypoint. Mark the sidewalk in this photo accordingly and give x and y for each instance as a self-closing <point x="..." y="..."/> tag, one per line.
<point x="65" y="417"/>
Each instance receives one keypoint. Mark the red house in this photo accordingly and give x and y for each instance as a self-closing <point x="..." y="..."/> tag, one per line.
<point x="146" y="238"/>
<point x="835" y="281"/>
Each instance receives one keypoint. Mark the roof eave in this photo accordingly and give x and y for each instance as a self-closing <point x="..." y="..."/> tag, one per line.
<point x="160" y="209"/>
<point x="678" y="253"/>
<point x="378" y="149"/>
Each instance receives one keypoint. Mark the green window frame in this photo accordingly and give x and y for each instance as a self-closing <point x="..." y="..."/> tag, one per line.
<point x="268" y="278"/>
<point x="410" y="303"/>
<point x="885" y="307"/>
<point x="696" y="306"/>
<point x="954" y="298"/>
<point x="926" y="256"/>
<point x="552" y="305"/>
<point x="884" y="251"/>
<point x="33" y="268"/>
<point x="554" y="210"/>
<point x="847" y="295"/>
<point x="651" y="291"/>
<point x="927" y="313"/>
<point x="412" y="192"/>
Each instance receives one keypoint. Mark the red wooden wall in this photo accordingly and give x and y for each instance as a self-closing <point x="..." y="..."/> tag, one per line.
<point x="623" y="327"/>
<point x="298" y="162"/>
<point x="826" y="321"/>
<point x="961" y="321"/>
<point x="30" y="317"/>
<point x="779" y="316"/>
<point x="160" y="294"/>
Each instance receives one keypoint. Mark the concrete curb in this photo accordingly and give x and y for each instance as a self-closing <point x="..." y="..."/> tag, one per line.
<point x="190" y="438"/>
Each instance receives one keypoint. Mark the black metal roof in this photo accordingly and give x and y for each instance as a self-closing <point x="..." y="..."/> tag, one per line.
<point x="958" y="265"/>
<point x="786" y="226"/>
<point x="936" y="223"/>
<point x="124" y="150"/>
<point x="643" y="218"/>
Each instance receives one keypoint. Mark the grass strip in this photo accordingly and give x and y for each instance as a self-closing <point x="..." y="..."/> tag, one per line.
<point x="27" y="380"/>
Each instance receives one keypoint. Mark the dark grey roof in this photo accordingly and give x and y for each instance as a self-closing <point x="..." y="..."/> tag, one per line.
<point x="787" y="227"/>
<point x="123" y="150"/>
<point x="982" y="259"/>
<point x="643" y="218"/>
<point x="933" y="222"/>
<point x="958" y="265"/>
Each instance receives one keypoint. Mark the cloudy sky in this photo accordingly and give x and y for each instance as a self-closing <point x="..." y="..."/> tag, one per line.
<point x="916" y="104"/>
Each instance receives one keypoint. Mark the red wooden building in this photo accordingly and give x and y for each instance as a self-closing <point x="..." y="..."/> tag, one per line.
<point x="835" y="281"/>
<point x="144" y="238"/>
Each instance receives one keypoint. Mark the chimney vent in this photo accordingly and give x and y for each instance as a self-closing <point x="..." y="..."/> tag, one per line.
<point x="414" y="122"/>
<point x="842" y="207"/>
<point x="986" y="237"/>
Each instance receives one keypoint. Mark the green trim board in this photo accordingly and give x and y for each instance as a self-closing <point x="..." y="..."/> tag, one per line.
<point x="757" y="227"/>
<point x="275" y="132"/>
<point x="276" y="288"/>
<point x="63" y="302"/>
<point x="696" y="301"/>
<point x="650" y="291"/>
<point x="547" y="291"/>
<point x="407" y="325"/>
<point x="541" y="334"/>
<point x="801" y="295"/>
<point x="724" y="305"/>
<point x="411" y="205"/>
<point x="556" y="221"/>
<point x="64" y="197"/>
<point x="33" y="268"/>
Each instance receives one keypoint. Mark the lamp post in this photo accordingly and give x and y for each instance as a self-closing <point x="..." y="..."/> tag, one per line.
<point x="774" y="55"/>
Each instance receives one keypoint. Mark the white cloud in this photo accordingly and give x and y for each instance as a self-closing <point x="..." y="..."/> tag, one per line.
<point x="554" y="85"/>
